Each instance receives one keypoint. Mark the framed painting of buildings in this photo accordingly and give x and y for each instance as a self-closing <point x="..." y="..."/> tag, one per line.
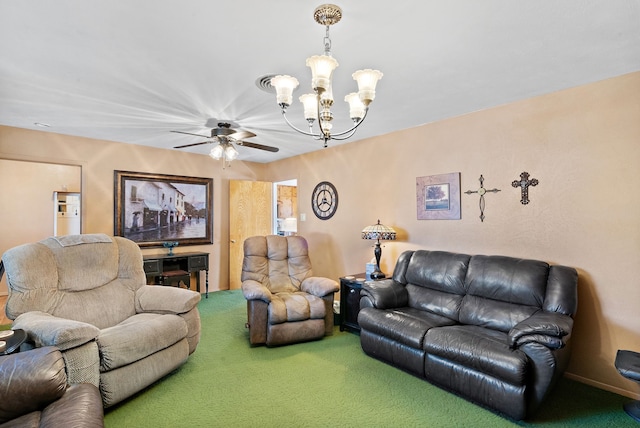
<point x="438" y="197"/>
<point x="151" y="209"/>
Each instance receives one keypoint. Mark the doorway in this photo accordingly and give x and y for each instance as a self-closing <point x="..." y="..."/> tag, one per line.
<point x="29" y="192"/>
<point x="253" y="210"/>
<point x="285" y="197"/>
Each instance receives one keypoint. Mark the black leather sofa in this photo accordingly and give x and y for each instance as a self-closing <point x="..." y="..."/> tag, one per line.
<point x="34" y="393"/>
<point x="495" y="330"/>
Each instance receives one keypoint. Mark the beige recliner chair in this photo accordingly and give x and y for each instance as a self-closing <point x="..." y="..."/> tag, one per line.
<point x="285" y="302"/>
<point x="87" y="295"/>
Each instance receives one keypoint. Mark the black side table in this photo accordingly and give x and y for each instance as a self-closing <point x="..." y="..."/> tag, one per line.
<point x="350" y="287"/>
<point x="13" y="342"/>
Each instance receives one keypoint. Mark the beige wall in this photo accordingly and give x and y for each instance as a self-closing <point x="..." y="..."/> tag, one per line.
<point x="99" y="159"/>
<point x="583" y="144"/>
<point x="26" y="191"/>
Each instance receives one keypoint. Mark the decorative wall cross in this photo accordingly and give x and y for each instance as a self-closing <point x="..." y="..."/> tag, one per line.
<point x="481" y="191"/>
<point x="524" y="184"/>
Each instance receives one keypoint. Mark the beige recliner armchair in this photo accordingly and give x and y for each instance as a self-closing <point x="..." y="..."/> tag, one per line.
<point x="87" y="295"/>
<point x="285" y="302"/>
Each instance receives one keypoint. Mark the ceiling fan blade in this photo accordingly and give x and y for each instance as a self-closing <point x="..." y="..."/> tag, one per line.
<point x="257" y="146"/>
<point x="241" y="135"/>
<point x="194" y="144"/>
<point x="189" y="133"/>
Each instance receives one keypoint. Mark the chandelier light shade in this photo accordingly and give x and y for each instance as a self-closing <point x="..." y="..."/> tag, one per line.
<point x="317" y="105"/>
<point x="322" y="67"/>
<point x="367" y="82"/>
<point x="378" y="232"/>
<point x="285" y="86"/>
<point x="356" y="106"/>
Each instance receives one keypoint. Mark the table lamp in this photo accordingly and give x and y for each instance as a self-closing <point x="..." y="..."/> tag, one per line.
<point x="378" y="231"/>
<point x="289" y="226"/>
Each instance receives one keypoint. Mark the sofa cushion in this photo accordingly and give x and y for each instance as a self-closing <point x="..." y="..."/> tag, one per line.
<point x="434" y="301"/>
<point x="138" y="337"/>
<point x="300" y="306"/>
<point x="405" y="325"/>
<point x="502" y="291"/>
<point x="480" y="349"/>
<point x="101" y="256"/>
<point x="495" y="314"/>
<point x="435" y="281"/>
<point x="438" y="270"/>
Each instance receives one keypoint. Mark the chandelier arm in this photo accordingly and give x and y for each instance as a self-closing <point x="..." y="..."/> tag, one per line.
<point x="292" y="126"/>
<point x="351" y="130"/>
<point x="345" y="137"/>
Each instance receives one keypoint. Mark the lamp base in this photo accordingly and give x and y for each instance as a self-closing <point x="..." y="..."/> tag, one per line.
<point x="376" y="274"/>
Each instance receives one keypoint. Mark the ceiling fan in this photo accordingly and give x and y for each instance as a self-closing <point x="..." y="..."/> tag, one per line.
<point x="225" y="136"/>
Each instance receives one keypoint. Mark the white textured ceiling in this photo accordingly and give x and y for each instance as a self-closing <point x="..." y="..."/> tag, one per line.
<point x="131" y="71"/>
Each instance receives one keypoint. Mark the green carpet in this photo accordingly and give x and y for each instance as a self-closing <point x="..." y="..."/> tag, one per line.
<point x="330" y="382"/>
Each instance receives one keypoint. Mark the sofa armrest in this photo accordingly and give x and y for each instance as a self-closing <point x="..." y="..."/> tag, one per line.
<point x="253" y="290"/>
<point x="547" y="328"/>
<point x="47" y="330"/>
<point x="319" y="286"/>
<point x="385" y="294"/>
<point x="30" y="381"/>
<point x="79" y="407"/>
<point x="165" y="300"/>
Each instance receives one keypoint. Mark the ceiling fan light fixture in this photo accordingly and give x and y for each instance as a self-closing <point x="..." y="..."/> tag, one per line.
<point x="217" y="152"/>
<point x="230" y="152"/>
<point x="223" y="137"/>
<point x="322" y="68"/>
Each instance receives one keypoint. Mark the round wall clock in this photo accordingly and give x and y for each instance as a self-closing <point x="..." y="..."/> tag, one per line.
<point x="324" y="200"/>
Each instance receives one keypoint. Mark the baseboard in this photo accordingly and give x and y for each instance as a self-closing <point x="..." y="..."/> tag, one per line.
<point x="604" y="386"/>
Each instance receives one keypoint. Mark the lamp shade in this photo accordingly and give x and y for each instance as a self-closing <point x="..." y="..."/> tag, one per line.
<point x="379" y="231"/>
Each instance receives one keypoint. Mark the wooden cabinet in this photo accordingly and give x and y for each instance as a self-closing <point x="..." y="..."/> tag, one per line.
<point x="156" y="267"/>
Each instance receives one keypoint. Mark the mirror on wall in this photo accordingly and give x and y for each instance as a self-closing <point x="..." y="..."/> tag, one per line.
<point x="285" y="207"/>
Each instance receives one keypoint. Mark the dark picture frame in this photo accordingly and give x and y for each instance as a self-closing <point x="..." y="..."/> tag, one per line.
<point x="438" y="197"/>
<point x="151" y="209"/>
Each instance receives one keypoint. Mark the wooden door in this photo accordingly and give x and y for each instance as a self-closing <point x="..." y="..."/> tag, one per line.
<point x="250" y="214"/>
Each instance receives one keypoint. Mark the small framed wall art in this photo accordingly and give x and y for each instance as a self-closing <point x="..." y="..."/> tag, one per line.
<point x="438" y="197"/>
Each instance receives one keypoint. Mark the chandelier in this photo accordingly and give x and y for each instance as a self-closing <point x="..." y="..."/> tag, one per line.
<point x="317" y="105"/>
<point x="224" y="150"/>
